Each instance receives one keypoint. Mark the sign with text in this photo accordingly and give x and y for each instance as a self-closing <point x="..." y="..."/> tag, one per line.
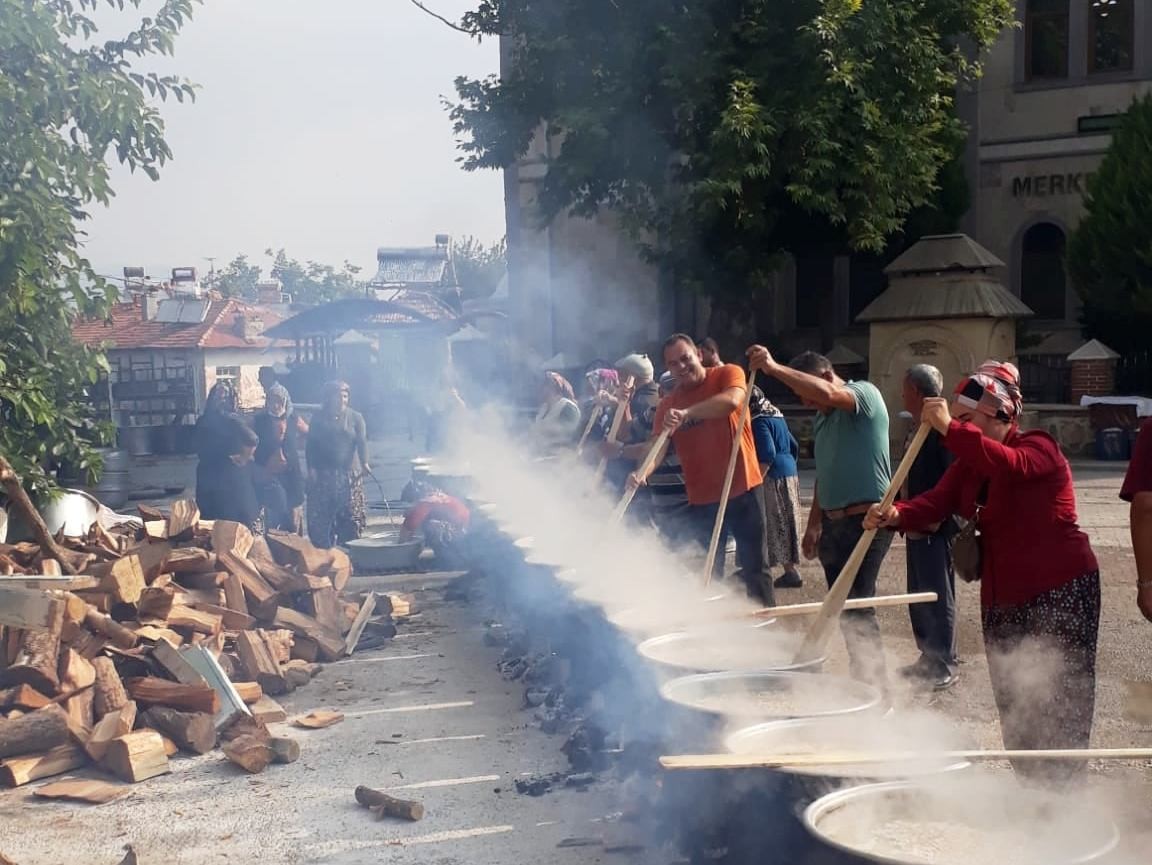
<point x="1047" y="185"/>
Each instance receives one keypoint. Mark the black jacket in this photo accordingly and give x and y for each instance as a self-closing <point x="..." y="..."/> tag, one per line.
<point x="930" y="465"/>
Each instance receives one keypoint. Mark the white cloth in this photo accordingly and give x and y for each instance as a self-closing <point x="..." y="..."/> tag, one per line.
<point x="1143" y="404"/>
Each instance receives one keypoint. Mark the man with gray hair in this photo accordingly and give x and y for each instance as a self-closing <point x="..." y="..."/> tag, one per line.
<point x="929" y="555"/>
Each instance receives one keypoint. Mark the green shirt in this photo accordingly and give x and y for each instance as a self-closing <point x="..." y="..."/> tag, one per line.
<point x="852" y="462"/>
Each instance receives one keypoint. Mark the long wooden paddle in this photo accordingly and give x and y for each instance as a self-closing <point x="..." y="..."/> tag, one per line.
<point x="592" y="418"/>
<point x="850" y="758"/>
<point x="850" y="604"/>
<point x="617" y="422"/>
<point x="646" y="466"/>
<point x="733" y="454"/>
<point x="821" y="627"/>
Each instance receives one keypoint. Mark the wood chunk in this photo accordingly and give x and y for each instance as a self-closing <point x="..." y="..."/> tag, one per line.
<point x="175" y="695"/>
<point x="234" y="594"/>
<point x="260" y="662"/>
<point x="22" y="697"/>
<point x="74" y="670"/>
<point x="150" y="514"/>
<point x="284" y="749"/>
<point x="98" y="600"/>
<point x="35" y="732"/>
<point x="305" y="649"/>
<point x="242" y="724"/>
<point x="340" y="568"/>
<point x="230" y="620"/>
<point x="294" y="551"/>
<point x="137" y="756"/>
<point x="17" y="771"/>
<point x="125" y="579"/>
<point x="190" y="560"/>
<point x="193" y="619"/>
<point x="249" y="753"/>
<point x="280" y="640"/>
<point x="82" y="790"/>
<point x="331" y="645"/>
<point x="175" y="664"/>
<point x="268" y="710"/>
<point x="109" y="690"/>
<point x="112" y="726"/>
<point x="155" y="604"/>
<point x="206" y="581"/>
<point x="249" y="692"/>
<point x="153" y="556"/>
<point x="254" y="584"/>
<point x="194" y="732"/>
<point x="155" y="634"/>
<point x="326" y="606"/>
<point x="383" y="805"/>
<point x="113" y="631"/>
<point x="40" y="581"/>
<point x="183" y="520"/>
<point x="362" y="617"/>
<point x="75" y="607"/>
<point x="231" y="537"/>
<point x="282" y="579"/>
<point x="170" y="747"/>
<point x="35" y="660"/>
<point x="318" y="719"/>
<point x="297" y="678"/>
<point x="399" y="604"/>
<point x="29" y="608"/>
<point x="80" y="713"/>
<point x="51" y="568"/>
<point x="88" y="644"/>
<point x="156" y="530"/>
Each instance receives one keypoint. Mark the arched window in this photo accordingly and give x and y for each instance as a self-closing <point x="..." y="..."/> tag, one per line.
<point x="1046" y="40"/>
<point x="1111" y="36"/>
<point x="1043" y="283"/>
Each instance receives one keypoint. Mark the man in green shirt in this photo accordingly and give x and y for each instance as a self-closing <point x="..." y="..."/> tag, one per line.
<point x="853" y="470"/>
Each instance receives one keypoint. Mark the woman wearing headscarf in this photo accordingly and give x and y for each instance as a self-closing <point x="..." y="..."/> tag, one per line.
<point x="1040" y="582"/>
<point x="600" y="385"/>
<point x="337" y="454"/>
<point x="776" y="451"/>
<point x="279" y="480"/>
<point x="558" y="418"/>
<point x="220" y="435"/>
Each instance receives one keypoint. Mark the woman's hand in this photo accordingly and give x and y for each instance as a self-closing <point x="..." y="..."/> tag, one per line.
<point x="936" y="414"/>
<point x="876" y="518"/>
<point x="605" y="398"/>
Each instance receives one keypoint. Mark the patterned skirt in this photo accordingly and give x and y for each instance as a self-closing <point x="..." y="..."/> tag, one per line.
<point x="336" y="509"/>
<point x="782" y="521"/>
<point x="1042" y="662"/>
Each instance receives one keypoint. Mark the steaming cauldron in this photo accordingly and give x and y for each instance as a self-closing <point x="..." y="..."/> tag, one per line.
<point x="978" y="820"/>
<point x="729" y="647"/>
<point x="771" y="695"/>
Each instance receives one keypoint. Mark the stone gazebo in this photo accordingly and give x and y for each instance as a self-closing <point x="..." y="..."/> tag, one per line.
<point x="944" y="307"/>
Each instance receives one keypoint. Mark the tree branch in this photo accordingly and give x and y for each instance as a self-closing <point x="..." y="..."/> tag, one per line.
<point x="441" y="18"/>
<point x="19" y="500"/>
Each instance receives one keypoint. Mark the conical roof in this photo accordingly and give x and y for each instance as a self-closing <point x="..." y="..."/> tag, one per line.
<point x="943" y="252"/>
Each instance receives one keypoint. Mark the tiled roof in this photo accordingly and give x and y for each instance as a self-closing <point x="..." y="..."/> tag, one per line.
<point x="395" y="308"/>
<point x="126" y="327"/>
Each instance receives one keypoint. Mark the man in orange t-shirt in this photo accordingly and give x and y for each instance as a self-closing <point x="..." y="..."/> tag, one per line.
<point x="703" y="413"/>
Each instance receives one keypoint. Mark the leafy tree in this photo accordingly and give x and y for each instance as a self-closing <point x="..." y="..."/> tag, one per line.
<point x="238" y="279"/>
<point x="479" y="267"/>
<point x="69" y="100"/>
<point x="311" y="282"/>
<point x="725" y="132"/>
<point x="1110" y="252"/>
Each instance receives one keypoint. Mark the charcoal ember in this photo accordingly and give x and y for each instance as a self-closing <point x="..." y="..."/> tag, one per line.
<point x="538" y="785"/>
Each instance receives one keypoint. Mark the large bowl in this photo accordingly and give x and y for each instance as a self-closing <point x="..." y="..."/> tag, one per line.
<point x="776" y="695"/>
<point x="976" y="820"/>
<point x="661" y="616"/>
<point x="727" y="647"/>
<point x="386" y="553"/>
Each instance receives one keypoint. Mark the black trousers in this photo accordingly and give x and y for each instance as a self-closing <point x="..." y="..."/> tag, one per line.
<point x="933" y="625"/>
<point x="861" y="630"/>
<point x="744" y="518"/>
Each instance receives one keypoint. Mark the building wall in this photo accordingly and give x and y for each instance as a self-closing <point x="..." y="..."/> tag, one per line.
<point x="243" y="366"/>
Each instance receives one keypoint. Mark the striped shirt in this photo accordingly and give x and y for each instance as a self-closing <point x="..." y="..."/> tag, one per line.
<point x="666" y="484"/>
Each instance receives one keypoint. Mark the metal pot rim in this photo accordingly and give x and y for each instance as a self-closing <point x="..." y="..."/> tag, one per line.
<point x="870" y="705"/>
<point x="645" y="650"/>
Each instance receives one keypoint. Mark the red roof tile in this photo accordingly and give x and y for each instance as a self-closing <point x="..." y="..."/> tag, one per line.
<point x="126" y="327"/>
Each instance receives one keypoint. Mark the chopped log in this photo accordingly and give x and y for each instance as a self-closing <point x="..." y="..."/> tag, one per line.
<point x="260" y="662"/>
<point x="194" y="732"/>
<point x="192" y="619"/>
<point x="303" y="666"/>
<point x="82" y="790"/>
<point x="19" y="502"/>
<point x="150" y="514"/>
<point x="153" y="557"/>
<point x="125" y="579"/>
<point x="174" y="695"/>
<point x="326" y="606"/>
<point x="399" y="604"/>
<point x="112" y="726"/>
<point x="155" y="604"/>
<point x="318" y="719"/>
<point x="297" y="678"/>
<point x="35" y="732"/>
<point x="170" y="747"/>
<point x="97" y="600"/>
<point x="284" y="749"/>
<point x="234" y="594"/>
<point x="331" y="645"/>
<point x="281" y="640"/>
<point x="22" y="697"/>
<point x="75" y="607"/>
<point x="88" y="644"/>
<point x="39" y="581"/>
<point x="305" y="649"/>
<point x="188" y="597"/>
<point x="109" y="690"/>
<point x="231" y="537"/>
<point x="35" y="661"/>
<point x="175" y="664"/>
<point x="383" y="805"/>
<point x="105" y="626"/>
<point x="17" y="771"/>
<point x="230" y="620"/>
<point x="28" y="608"/>
<point x="265" y="611"/>
<point x="296" y="552"/>
<point x="249" y="753"/>
<point x="268" y="710"/>
<point x="340" y="568"/>
<point x="254" y="584"/>
<point x="242" y="724"/>
<point x="183" y="520"/>
<point x="154" y="634"/>
<point x="156" y="530"/>
<point x="137" y="756"/>
<point x="249" y="692"/>
<point x="357" y="628"/>
<point x="50" y="568"/>
<point x="281" y="578"/>
<point x="80" y="711"/>
<point x="190" y="560"/>
<point x="75" y="671"/>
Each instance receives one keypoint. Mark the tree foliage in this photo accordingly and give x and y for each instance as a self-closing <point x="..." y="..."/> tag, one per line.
<point x="479" y="266"/>
<point x="1110" y="252"/>
<point x="70" y="100"/>
<point x="238" y="278"/>
<point x="311" y="282"/>
<point x="729" y="130"/>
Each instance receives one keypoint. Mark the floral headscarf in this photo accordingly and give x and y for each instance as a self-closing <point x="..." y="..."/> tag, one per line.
<point x="560" y="385"/>
<point x="602" y="379"/>
<point x="221" y="399"/>
<point x="993" y="389"/>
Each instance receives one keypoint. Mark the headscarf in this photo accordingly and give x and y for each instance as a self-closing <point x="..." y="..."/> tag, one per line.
<point x="602" y="379"/>
<point x="332" y="389"/>
<point x="994" y="390"/>
<point x="636" y="365"/>
<point x="667" y="383"/>
<point x="221" y="399"/>
<point x="560" y="384"/>
<point x="278" y="394"/>
<point x="759" y="406"/>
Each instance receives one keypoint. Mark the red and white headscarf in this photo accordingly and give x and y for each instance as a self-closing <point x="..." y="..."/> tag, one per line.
<point x="994" y="390"/>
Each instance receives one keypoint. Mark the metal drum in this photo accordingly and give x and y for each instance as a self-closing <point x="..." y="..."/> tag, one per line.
<point x="136" y="440"/>
<point x="112" y="488"/>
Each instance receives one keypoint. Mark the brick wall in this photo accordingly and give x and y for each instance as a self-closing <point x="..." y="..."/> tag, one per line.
<point x="1092" y="378"/>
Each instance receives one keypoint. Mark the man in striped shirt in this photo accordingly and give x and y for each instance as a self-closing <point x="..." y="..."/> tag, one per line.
<point x="666" y="487"/>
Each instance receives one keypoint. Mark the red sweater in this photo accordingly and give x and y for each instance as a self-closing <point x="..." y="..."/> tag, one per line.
<point x="1031" y="541"/>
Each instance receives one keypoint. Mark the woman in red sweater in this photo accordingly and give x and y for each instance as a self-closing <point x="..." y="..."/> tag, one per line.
<point x="1040" y="583"/>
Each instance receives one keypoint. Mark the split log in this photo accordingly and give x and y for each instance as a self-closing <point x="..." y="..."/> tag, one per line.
<point x="183" y="520"/>
<point x="80" y="713"/>
<point x="19" y="502"/>
<point x="190" y="560"/>
<point x="296" y="552"/>
<point x="249" y="692"/>
<point x="339" y="569"/>
<point x="153" y="556"/>
<point x="112" y="726"/>
<point x="326" y="607"/>
<point x="154" y="634"/>
<point x="82" y="790"/>
<point x="260" y="662"/>
<point x="156" y="530"/>
<point x="359" y="623"/>
<point x="400" y="604"/>
<point x="174" y="695"/>
<point x="35" y="661"/>
<point x="305" y="649"/>
<point x="284" y="579"/>
<point x="155" y="604"/>
<point x="297" y="677"/>
<point x="254" y="584"/>
<point x="125" y="579"/>
<point x="284" y="749"/>
<point x="242" y="724"/>
<point x="137" y="756"/>
<point x="22" y="697"/>
<point x="40" y="581"/>
<point x="170" y="747"/>
<point x="97" y="600"/>
<point x="105" y="626"/>
<point x="194" y="732"/>
<point x="331" y="645"/>
<point x="75" y="607"/>
<point x="249" y="753"/>
<point x="230" y="620"/>
<point x="231" y="537"/>
<point x="234" y="594"/>
<point x="109" y="690"/>
<point x="268" y="710"/>
<point x="176" y="664"/>
<point x="88" y="644"/>
<point x="75" y="671"/>
<point x="280" y="640"/>
<point x="192" y="619"/>
<point x="35" y="732"/>
<point x="303" y="666"/>
<point x="27" y="608"/>
<point x="17" y="771"/>
<point x="383" y="805"/>
<point x="150" y="514"/>
<point x="50" y="568"/>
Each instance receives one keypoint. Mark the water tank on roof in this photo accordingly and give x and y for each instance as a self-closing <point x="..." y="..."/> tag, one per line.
<point x="185" y="282"/>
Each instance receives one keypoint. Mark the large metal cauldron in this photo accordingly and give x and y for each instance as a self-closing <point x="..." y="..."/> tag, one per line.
<point x="974" y="820"/>
<point x="660" y="616"/>
<point x="727" y="647"/>
<point x="774" y="695"/>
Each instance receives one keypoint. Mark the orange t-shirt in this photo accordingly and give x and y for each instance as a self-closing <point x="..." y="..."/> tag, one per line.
<point x="705" y="446"/>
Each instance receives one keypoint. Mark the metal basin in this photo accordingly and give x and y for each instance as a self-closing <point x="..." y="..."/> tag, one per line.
<point x="765" y="696"/>
<point x="384" y="553"/>
<point x="72" y="511"/>
<point x="726" y="647"/>
<point x="973" y="820"/>
<point x="654" y="619"/>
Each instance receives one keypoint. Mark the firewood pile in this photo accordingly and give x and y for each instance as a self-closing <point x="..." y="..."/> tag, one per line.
<point x="123" y="647"/>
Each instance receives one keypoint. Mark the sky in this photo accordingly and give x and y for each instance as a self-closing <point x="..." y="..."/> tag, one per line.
<point x="318" y="127"/>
